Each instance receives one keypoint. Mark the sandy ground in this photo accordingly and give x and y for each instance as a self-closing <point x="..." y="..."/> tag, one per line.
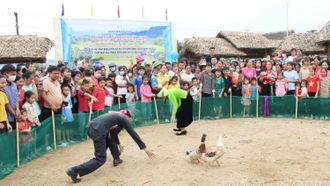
<point x="258" y="152"/>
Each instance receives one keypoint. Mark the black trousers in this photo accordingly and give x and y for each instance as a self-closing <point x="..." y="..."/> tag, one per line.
<point x="100" y="147"/>
<point x="113" y="142"/>
<point x="206" y="95"/>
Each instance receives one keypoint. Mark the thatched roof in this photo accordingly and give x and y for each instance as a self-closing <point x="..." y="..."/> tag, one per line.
<point x="304" y="41"/>
<point x="247" y="40"/>
<point x="199" y="46"/>
<point x="324" y="34"/>
<point x="277" y="35"/>
<point x="15" y="49"/>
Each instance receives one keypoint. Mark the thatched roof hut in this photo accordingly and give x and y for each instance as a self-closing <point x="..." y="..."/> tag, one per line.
<point x="281" y="35"/>
<point x="324" y="34"/>
<point x="15" y="49"/>
<point x="247" y="40"/>
<point x="199" y="46"/>
<point x="305" y="41"/>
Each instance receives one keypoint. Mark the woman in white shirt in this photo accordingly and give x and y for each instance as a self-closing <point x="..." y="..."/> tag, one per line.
<point x="122" y="81"/>
<point x="187" y="75"/>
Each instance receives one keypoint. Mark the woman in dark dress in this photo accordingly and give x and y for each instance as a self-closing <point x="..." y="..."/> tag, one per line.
<point x="182" y="108"/>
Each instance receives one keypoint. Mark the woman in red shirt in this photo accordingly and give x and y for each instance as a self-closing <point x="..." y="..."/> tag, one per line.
<point x="313" y="83"/>
<point x="19" y="81"/>
<point x="268" y="78"/>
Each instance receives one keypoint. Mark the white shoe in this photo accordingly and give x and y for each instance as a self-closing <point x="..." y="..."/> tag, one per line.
<point x="155" y="121"/>
<point x="167" y="121"/>
<point x="62" y="145"/>
<point x="48" y="148"/>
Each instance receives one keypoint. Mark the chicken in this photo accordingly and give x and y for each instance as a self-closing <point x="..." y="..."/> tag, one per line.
<point x="210" y="157"/>
<point x="195" y="154"/>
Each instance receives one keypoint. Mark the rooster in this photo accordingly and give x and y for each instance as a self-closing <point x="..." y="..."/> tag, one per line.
<point x="195" y="154"/>
<point x="210" y="157"/>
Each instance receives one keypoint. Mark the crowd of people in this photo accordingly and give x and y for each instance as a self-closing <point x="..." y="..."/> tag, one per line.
<point x="29" y="95"/>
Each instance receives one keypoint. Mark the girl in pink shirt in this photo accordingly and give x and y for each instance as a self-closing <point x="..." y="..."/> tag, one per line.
<point x="281" y="85"/>
<point x="146" y="95"/>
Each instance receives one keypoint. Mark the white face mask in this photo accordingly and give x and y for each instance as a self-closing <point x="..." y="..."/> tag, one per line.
<point x="231" y="69"/>
<point x="88" y="78"/>
<point x="98" y="75"/>
<point x="113" y="69"/>
<point x="130" y="74"/>
<point x="11" y="78"/>
<point x="121" y="73"/>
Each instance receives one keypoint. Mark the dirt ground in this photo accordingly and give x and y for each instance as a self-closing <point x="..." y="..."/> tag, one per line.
<point x="258" y="152"/>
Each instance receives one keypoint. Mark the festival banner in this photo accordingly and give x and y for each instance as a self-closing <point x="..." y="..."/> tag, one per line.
<point x="102" y="40"/>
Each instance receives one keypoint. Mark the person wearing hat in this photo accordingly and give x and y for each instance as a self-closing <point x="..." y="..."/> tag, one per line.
<point x="147" y="67"/>
<point x="182" y="107"/>
<point x="157" y="65"/>
<point x="99" y="130"/>
<point x="139" y="60"/>
<point x="112" y="67"/>
<point x="304" y="71"/>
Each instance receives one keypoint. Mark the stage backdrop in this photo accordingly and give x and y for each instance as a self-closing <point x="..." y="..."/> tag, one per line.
<point x="115" y="40"/>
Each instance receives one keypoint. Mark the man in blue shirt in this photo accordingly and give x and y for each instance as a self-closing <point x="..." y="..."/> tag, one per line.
<point x="9" y="71"/>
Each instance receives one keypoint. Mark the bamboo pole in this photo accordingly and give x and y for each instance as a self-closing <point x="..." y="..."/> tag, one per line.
<point x="297" y="104"/>
<point x="231" y="104"/>
<point x="200" y="107"/>
<point x="17" y="145"/>
<point x="257" y="109"/>
<point x="156" y="110"/>
<point x="118" y="102"/>
<point x="90" y="111"/>
<point x="54" y="131"/>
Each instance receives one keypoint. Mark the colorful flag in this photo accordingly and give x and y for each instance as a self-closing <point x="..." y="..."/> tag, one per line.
<point x="62" y="13"/>
<point x="118" y="12"/>
<point x="166" y="14"/>
<point x="92" y="13"/>
<point x="142" y="17"/>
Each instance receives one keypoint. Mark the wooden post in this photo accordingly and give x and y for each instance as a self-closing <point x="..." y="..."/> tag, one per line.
<point x="118" y="103"/>
<point x="17" y="145"/>
<point x="297" y="104"/>
<point x="54" y="130"/>
<point x="231" y="104"/>
<point x="257" y="109"/>
<point x="156" y="110"/>
<point x="200" y="107"/>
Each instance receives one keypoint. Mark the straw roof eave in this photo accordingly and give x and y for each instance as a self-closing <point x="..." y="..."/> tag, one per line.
<point x="199" y="46"/>
<point x="247" y="40"/>
<point x="305" y="41"/>
<point x="324" y="34"/>
<point x="15" y="49"/>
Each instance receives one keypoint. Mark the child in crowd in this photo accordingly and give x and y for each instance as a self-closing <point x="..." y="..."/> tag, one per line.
<point x="84" y="97"/>
<point x="173" y="83"/>
<point x="146" y="96"/>
<point x="153" y="79"/>
<point x="185" y="86"/>
<point x="303" y="89"/>
<point x="219" y="89"/>
<point x="111" y="95"/>
<point x="255" y="88"/>
<point x="246" y="97"/>
<point x="4" y="124"/>
<point x="313" y="83"/>
<point x="324" y="83"/>
<point x="281" y="85"/>
<point x="138" y="83"/>
<point x="25" y="126"/>
<point x="130" y="96"/>
<point x="207" y="82"/>
<point x="28" y="105"/>
<point x="227" y="79"/>
<point x="100" y="93"/>
<point x="194" y="89"/>
<point x="297" y="91"/>
<point x="67" y="116"/>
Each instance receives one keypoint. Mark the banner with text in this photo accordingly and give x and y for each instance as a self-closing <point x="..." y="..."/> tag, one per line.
<point x="101" y="40"/>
